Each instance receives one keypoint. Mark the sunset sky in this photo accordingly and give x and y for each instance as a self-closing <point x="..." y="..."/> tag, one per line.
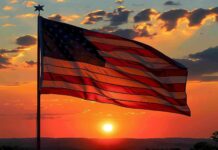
<point x="185" y="30"/>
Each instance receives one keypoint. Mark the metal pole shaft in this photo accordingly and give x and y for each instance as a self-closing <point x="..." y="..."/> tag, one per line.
<point x="38" y="127"/>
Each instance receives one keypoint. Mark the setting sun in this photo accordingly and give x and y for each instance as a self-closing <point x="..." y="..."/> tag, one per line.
<point x="107" y="127"/>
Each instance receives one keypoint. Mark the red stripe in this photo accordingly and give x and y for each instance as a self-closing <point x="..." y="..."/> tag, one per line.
<point x="102" y="35"/>
<point x="171" y="87"/>
<point x="111" y="87"/>
<point x="138" y="51"/>
<point x="102" y="99"/>
<point x="158" y="72"/>
<point x="152" y="50"/>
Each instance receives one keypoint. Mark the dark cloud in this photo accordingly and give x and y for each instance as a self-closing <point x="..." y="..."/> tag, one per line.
<point x="4" y="61"/>
<point x="26" y="40"/>
<point x="106" y="29"/>
<point x="144" y="15"/>
<point x="31" y="63"/>
<point x="55" y="17"/>
<point x="119" y="16"/>
<point x="126" y="33"/>
<point x="94" y="16"/>
<point x="97" y="13"/>
<point x="92" y="19"/>
<point x="171" y="3"/>
<point x="196" y="17"/>
<point x="201" y="64"/>
<point x="5" y="51"/>
<point x="61" y="18"/>
<point x="209" y="54"/>
<point x="171" y="18"/>
<point x="214" y="10"/>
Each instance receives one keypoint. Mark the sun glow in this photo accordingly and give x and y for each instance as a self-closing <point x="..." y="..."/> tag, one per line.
<point x="107" y="127"/>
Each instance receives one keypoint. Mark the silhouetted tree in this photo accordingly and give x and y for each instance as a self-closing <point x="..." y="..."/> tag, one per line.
<point x="215" y="136"/>
<point x="203" y="146"/>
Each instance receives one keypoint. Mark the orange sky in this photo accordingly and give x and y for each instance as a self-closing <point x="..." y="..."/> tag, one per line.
<point x="72" y="117"/>
<point x="64" y="116"/>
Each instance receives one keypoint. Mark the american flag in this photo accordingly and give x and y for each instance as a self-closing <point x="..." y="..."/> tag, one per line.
<point x="109" y="69"/>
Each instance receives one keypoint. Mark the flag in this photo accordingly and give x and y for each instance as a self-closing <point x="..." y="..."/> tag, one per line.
<point x="109" y="69"/>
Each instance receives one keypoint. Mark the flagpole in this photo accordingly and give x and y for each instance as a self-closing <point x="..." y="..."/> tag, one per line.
<point x="38" y="128"/>
<point x="38" y="121"/>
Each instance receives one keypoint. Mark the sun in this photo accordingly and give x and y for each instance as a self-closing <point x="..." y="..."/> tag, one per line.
<point x="107" y="127"/>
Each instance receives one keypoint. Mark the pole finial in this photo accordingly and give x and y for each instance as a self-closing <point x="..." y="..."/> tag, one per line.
<point x="39" y="8"/>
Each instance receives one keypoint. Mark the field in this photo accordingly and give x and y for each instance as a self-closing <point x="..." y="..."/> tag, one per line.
<point x="104" y="144"/>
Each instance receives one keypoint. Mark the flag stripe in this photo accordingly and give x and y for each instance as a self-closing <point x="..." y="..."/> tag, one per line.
<point x="155" y="73"/>
<point x="136" y="58"/>
<point x="136" y="51"/>
<point x="158" y="73"/>
<point x="125" y="43"/>
<point x="100" y="98"/>
<point x="108" y="94"/>
<point x="102" y="35"/>
<point x="170" y="83"/>
<point x="113" y="42"/>
<point x="110" y="87"/>
<point x="112" y="80"/>
<point x="132" y="64"/>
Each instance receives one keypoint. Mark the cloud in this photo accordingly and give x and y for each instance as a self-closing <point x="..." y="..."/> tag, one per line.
<point x="97" y="13"/>
<point x="27" y="15"/>
<point x="59" y="1"/>
<point x="126" y="33"/>
<point x="94" y="16"/>
<point x="149" y="22"/>
<point x="214" y="10"/>
<point x="13" y="1"/>
<point x="145" y="15"/>
<point x="8" y="25"/>
<point x="196" y="17"/>
<point x="8" y="56"/>
<point x="60" y="18"/>
<point x="171" y="18"/>
<point x="119" y="16"/>
<point x="171" y="3"/>
<point x="92" y="20"/>
<point x="4" y="61"/>
<point x="119" y="1"/>
<point x="202" y="65"/>
<point x="26" y="40"/>
<point x="31" y="63"/>
<point x="5" y="51"/>
<point x="30" y="3"/>
<point x="7" y="8"/>
<point x="4" y="17"/>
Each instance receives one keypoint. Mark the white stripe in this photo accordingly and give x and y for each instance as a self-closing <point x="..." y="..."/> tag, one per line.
<point x="110" y="95"/>
<point x="111" y="80"/>
<point x="112" y="70"/>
